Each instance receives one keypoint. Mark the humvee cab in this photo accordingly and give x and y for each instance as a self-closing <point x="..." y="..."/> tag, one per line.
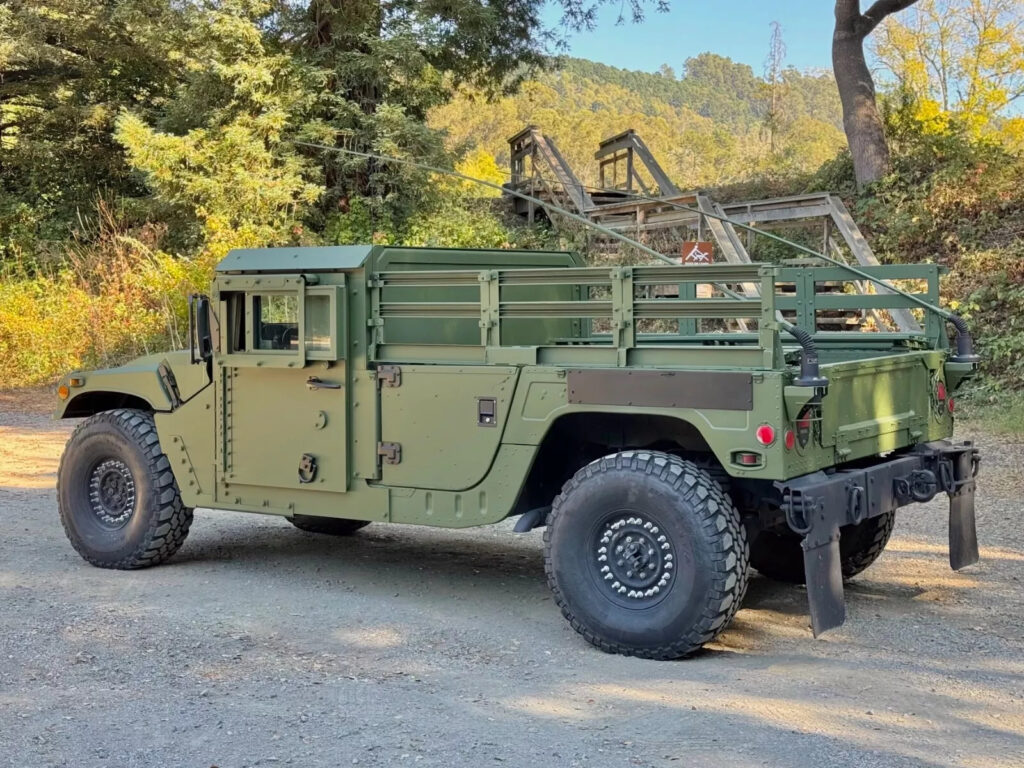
<point x="665" y="447"/>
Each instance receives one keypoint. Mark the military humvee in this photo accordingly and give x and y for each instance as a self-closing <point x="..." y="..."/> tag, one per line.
<point x="666" y="449"/>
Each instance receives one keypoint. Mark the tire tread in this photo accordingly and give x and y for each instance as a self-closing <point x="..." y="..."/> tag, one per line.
<point x="697" y="487"/>
<point x="169" y="525"/>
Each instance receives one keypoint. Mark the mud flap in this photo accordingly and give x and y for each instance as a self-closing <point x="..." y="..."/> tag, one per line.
<point x="824" y="576"/>
<point x="963" y="534"/>
<point x="818" y="504"/>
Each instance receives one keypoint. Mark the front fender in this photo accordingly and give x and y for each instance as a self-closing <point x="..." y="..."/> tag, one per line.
<point x="158" y="383"/>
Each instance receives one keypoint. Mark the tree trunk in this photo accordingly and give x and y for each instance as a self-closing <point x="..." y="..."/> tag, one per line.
<point x="861" y="120"/>
<point x="337" y="29"/>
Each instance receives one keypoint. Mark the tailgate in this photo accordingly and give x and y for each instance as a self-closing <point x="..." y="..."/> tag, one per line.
<point x="882" y="404"/>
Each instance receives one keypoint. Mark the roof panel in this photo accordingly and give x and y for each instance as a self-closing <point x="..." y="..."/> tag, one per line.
<point x="295" y="259"/>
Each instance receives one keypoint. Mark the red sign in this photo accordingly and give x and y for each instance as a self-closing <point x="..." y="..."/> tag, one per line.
<point x="698" y="252"/>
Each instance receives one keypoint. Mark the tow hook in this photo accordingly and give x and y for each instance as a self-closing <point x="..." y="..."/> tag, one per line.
<point x="921" y="485"/>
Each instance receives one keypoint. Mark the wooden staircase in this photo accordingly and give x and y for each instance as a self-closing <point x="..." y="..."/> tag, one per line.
<point x="636" y="198"/>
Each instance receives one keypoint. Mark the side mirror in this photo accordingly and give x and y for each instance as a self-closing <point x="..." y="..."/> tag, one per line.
<point x="200" y="338"/>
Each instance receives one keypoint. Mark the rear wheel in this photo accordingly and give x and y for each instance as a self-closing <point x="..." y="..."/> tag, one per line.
<point x="779" y="555"/>
<point x="646" y="555"/>
<point x="118" y="499"/>
<point x="332" y="526"/>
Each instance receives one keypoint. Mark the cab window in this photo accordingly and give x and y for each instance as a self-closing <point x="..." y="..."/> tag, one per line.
<point x="319" y="324"/>
<point x="276" y="319"/>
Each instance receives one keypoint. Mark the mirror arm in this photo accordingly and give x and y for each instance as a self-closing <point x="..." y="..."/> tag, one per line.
<point x="192" y="328"/>
<point x="199" y="329"/>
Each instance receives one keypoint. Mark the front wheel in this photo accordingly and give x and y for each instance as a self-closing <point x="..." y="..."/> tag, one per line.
<point x="119" y="502"/>
<point x="646" y="555"/>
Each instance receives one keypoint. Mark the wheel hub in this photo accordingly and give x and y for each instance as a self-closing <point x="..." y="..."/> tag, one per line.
<point x="633" y="558"/>
<point x="112" y="492"/>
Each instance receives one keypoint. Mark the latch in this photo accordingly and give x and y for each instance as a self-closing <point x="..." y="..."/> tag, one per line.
<point x="390" y="452"/>
<point x="315" y="382"/>
<point x="486" y="412"/>
<point x="307" y="468"/>
<point x="389" y="376"/>
<point x="169" y="384"/>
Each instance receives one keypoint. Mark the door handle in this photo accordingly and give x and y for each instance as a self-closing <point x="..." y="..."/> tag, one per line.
<point x="314" y="382"/>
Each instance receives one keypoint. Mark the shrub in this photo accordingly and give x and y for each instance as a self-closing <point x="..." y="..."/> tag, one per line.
<point x="114" y="298"/>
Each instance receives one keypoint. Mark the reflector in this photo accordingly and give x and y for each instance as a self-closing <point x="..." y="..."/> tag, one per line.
<point x="765" y="434"/>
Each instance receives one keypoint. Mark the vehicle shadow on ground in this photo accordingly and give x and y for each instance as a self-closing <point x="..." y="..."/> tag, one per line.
<point x="673" y="712"/>
<point x="401" y="551"/>
<point x="444" y="562"/>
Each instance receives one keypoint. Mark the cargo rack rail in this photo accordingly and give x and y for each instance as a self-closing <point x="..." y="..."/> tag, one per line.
<point x="620" y="300"/>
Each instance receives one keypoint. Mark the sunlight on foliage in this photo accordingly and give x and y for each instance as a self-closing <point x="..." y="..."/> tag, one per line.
<point x="963" y="59"/>
<point x="140" y="140"/>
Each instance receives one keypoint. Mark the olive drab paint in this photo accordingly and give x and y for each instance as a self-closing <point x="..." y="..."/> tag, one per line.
<point x="419" y="385"/>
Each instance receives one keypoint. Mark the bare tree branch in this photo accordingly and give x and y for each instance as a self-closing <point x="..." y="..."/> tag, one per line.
<point x="873" y="16"/>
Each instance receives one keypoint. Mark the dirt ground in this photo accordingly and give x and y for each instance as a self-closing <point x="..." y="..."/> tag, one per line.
<point x="262" y="645"/>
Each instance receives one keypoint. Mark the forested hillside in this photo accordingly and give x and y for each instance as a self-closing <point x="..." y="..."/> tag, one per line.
<point x="712" y="124"/>
<point x="142" y="139"/>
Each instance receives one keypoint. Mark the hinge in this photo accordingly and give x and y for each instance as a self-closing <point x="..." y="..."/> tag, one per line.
<point x="389" y="376"/>
<point x="169" y="384"/>
<point x="390" y="452"/>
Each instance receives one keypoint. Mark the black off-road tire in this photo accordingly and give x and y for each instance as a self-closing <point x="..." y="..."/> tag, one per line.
<point x="332" y="526"/>
<point x="779" y="555"/>
<point x="118" y="499"/>
<point x="667" y="507"/>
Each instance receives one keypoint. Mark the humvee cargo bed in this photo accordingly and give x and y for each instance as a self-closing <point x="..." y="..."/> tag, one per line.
<point x="665" y="452"/>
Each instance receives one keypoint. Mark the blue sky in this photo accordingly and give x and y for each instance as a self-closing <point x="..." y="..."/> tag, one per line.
<point x="734" y="28"/>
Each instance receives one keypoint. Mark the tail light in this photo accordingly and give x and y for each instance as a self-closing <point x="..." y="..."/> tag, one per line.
<point x="789" y="439"/>
<point x="747" y="458"/>
<point x="765" y="434"/>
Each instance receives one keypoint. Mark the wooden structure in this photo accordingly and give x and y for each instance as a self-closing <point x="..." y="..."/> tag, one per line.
<point x="625" y="149"/>
<point x="637" y="198"/>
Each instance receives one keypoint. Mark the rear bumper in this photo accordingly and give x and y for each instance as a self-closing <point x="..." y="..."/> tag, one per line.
<point x="817" y="505"/>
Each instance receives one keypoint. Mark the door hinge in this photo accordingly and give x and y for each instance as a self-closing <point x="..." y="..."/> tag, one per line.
<point x="390" y="452"/>
<point x="389" y="376"/>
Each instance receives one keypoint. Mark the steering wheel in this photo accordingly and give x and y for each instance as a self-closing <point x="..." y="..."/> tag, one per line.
<point x="288" y="335"/>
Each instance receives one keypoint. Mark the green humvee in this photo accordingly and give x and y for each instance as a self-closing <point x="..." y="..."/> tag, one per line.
<point x="666" y="449"/>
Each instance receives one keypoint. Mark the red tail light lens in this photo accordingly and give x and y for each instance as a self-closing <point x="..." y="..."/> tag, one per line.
<point x="765" y="434"/>
<point x="940" y="390"/>
<point x="789" y="439"/>
<point x="950" y="404"/>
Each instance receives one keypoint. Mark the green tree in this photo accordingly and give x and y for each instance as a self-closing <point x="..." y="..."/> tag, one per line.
<point x="222" y="154"/>
<point x="584" y="102"/>
<point x="66" y="69"/>
<point x="383" y="65"/>
<point x="710" y="77"/>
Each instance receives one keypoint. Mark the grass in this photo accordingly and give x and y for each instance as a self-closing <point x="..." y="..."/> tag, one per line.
<point x="997" y="412"/>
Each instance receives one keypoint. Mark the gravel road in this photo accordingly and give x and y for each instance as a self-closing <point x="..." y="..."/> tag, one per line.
<point x="262" y="645"/>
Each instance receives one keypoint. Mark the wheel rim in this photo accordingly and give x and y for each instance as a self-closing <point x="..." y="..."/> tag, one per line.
<point x="633" y="559"/>
<point x="112" y="493"/>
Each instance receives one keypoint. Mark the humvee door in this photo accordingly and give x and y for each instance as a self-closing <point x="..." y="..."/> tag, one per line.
<point x="282" y="383"/>
<point x="446" y="421"/>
